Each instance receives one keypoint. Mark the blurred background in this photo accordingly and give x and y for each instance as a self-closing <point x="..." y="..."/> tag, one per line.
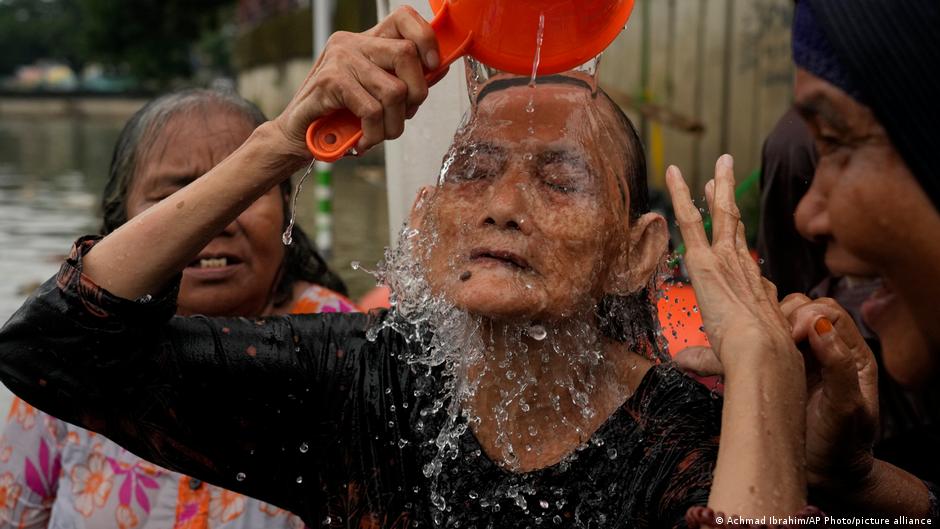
<point x="698" y="77"/>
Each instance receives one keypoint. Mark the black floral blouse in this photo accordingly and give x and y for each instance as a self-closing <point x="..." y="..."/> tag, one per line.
<point x="307" y="413"/>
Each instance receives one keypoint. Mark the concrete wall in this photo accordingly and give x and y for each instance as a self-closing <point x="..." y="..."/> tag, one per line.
<point x="272" y="86"/>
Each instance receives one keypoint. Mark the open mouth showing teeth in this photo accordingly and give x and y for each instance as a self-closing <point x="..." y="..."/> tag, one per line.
<point x="213" y="262"/>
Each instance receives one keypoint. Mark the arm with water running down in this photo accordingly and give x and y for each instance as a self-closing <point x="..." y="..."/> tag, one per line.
<point x="761" y="456"/>
<point x="227" y="400"/>
<point x="141" y="257"/>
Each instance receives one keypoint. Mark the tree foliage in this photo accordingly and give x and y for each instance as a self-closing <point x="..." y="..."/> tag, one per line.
<point x="39" y="29"/>
<point x="151" y="40"/>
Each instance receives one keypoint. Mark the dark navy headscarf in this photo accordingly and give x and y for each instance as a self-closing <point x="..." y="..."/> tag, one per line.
<point x="886" y="55"/>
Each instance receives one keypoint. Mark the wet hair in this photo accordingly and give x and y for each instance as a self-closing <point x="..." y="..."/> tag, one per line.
<point x="633" y="318"/>
<point x="301" y="262"/>
<point x="630" y="319"/>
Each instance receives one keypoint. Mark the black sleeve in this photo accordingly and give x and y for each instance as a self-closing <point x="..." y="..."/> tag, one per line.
<point x="244" y="404"/>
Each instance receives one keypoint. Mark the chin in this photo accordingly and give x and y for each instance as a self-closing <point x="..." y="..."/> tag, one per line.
<point x="907" y="357"/>
<point x="497" y="300"/>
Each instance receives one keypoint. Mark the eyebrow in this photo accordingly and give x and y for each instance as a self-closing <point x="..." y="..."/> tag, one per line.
<point x="820" y="106"/>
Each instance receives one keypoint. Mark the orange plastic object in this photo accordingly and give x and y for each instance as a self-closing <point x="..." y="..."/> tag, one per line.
<point x="501" y="34"/>
<point x="680" y="318"/>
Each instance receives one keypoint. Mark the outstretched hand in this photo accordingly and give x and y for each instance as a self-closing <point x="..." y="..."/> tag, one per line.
<point x="379" y="75"/>
<point x="760" y="466"/>
<point x="742" y="319"/>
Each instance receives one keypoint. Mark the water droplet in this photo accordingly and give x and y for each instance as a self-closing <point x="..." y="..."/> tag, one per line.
<point x="304" y="447"/>
<point x="300" y="479"/>
<point x="146" y="298"/>
<point x="355" y="265"/>
<point x="556" y="520"/>
<point x="240" y="476"/>
<point x="537" y="332"/>
<point x="543" y="504"/>
<point x="612" y="453"/>
<point x="328" y="520"/>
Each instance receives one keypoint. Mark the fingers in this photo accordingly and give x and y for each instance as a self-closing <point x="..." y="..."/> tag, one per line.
<point x="803" y="317"/>
<point x="687" y="215"/>
<point x="793" y="302"/>
<point x="401" y="57"/>
<point x="701" y="360"/>
<point x="840" y="377"/>
<point x="406" y="23"/>
<point x="725" y="215"/>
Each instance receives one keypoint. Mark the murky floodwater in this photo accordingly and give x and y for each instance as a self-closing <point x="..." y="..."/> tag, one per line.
<point x="52" y="171"/>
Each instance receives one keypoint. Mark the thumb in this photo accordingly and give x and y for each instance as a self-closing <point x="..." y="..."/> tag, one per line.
<point x="700" y="360"/>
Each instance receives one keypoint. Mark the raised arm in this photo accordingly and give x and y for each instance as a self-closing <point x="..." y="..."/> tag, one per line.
<point x="229" y="401"/>
<point x="142" y="256"/>
<point x="760" y="466"/>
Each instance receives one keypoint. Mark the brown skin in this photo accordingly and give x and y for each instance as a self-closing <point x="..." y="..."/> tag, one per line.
<point x="877" y="222"/>
<point x="750" y="338"/>
<point x="544" y="192"/>
<point x="549" y="198"/>
<point x="353" y="73"/>
<point x="190" y="145"/>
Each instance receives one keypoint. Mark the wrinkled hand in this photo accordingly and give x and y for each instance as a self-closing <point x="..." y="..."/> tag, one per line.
<point x="378" y="75"/>
<point x="742" y="318"/>
<point x="842" y="393"/>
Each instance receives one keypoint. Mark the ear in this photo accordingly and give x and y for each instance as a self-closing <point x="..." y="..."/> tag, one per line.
<point x="419" y="210"/>
<point x="635" y="263"/>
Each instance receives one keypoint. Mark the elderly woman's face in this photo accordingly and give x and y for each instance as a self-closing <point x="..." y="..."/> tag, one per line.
<point x="877" y="221"/>
<point x="528" y="221"/>
<point x="234" y="273"/>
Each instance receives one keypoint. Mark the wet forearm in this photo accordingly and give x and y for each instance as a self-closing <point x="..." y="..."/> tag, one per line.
<point x="760" y="467"/>
<point x="145" y="253"/>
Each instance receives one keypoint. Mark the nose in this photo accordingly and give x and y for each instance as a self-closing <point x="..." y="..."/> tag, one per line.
<point x="812" y="213"/>
<point x="506" y="205"/>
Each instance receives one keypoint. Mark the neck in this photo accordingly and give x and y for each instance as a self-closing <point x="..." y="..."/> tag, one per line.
<point x="538" y="399"/>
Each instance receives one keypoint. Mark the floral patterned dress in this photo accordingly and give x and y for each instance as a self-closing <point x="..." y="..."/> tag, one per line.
<point x="59" y="476"/>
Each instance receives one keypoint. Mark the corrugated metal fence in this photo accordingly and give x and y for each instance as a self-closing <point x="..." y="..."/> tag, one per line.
<point x="703" y="77"/>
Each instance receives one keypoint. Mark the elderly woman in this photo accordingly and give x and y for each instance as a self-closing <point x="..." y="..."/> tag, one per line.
<point x="514" y="383"/>
<point x="57" y="474"/>
<point x="875" y="202"/>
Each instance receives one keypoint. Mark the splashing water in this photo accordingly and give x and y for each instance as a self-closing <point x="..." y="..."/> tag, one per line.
<point x="288" y="236"/>
<point x="453" y="344"/>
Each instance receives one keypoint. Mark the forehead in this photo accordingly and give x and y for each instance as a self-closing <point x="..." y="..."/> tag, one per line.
<point x="551" y="113"/>
<point x="818" y="100"/>
<point x="191" y="141"/>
